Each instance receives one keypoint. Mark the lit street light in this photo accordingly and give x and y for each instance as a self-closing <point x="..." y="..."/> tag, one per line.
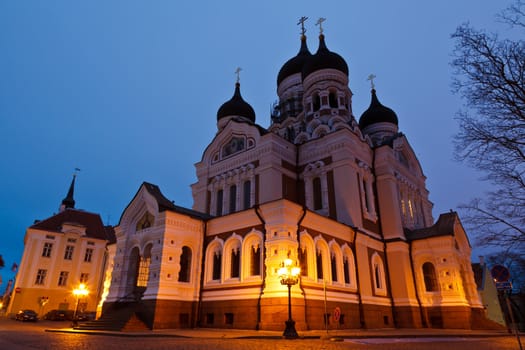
<point x="289" y="275"/>
<point x="79" y="292"/>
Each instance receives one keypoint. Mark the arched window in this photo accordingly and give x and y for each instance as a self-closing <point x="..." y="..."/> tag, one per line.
<point x="332" y="100"/>
<point x="319" y="265"/>
<point x="379" y="277"/>
<point x="246" y="194"/>
<point x="235" y="263"/>
<point x="217" y="262"/>
<point x="318" y="197"/>
<point x="316" y="102"/>
<point x="185" y="265"/>
<point x="220" y="195"/>
<point x="255" y="261"/>
<point x="429" y="276"/>
<point x="233" y="198"/>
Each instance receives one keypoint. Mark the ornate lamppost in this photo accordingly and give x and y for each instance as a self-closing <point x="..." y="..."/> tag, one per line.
<point x="289" y="275"/>
<point x="79" y="292"/>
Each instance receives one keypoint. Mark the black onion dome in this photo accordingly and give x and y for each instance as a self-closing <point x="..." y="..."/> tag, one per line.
<point x="236" y="106"/>
<point x="377" y="113"/>
<point x="295" y="64"/>
<point x="324" y="59"/>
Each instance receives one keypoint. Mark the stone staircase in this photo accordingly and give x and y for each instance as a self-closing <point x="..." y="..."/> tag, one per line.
<point x="121" y="318"/>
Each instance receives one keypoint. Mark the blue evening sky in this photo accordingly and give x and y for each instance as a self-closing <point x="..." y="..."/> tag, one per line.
<point x="128" y="91"/>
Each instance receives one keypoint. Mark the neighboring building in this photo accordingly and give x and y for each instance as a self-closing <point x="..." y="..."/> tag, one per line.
<point x="344" y="198"/>
<point x="488" y="292"/>
<point x="60" y="253"/>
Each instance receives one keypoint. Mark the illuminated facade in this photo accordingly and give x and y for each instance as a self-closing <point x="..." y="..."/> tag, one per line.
<point x="344" y="197"/>
<point x="60" y="253"/>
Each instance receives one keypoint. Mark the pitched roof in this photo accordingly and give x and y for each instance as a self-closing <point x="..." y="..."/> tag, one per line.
<point x="93" y="223"/>
<point x="444" y="226"/>
<point x="165" y="204"/>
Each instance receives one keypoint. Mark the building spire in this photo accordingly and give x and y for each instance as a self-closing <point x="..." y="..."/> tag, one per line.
<point x="69" y="201"/>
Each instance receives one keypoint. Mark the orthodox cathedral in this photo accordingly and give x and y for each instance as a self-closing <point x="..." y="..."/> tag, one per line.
<point x="342" y="197"/>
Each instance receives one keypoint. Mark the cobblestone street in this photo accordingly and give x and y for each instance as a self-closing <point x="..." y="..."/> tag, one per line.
<point x="21" y="336"/>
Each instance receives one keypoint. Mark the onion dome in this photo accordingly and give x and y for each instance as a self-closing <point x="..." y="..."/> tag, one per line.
<point x="295" y="64"/>
<point x="236" y="106"/>
<point x="324" y="59"/>
<point x="377" y="113"/>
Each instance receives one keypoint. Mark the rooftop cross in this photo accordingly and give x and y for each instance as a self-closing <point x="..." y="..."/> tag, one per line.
<point x="371" y="77"/>
<point x="320" y="24"/>
<point x="238" y="72"/>
<point x="301" y="22"/>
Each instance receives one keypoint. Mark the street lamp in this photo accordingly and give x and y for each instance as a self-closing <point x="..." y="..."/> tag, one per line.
<point x="79" y="292"/>
<point x="289" y="275"/>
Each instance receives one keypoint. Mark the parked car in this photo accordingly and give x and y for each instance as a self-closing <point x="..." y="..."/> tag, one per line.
<point x="59" y="315"/>
<point x="26" y="315"/>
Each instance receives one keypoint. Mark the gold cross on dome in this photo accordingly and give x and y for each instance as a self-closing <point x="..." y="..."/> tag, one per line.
<point x="371" y="77"/>
<point x="301" y="22"/>
<point x="320" y="24"/>
<point x="238" y="72"/>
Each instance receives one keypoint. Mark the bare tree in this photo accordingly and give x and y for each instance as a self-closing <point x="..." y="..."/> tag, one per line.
<point x="489" y="74"/>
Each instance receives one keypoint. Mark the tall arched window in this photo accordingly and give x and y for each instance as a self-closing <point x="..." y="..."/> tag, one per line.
<point x="255" y="261"/>
<point x="185" y="265"/>
<point x="217" y="262"/>
<point x="143" y="272"/>
<point x="319" y="265"/>
<point x="332" y="100"/>
<point x="316" y="103"/>
<point x="346" y="268"/>
<point x="235" y="263"/>
<point x="303" y="261"/>
<point x="429" y="276"/>
<point x="318" y="196"/>
<point x="246" y="191"/>
<point x="333" y="263"/>
<point x="233" y="198"/>
<point x="220" y="195"/>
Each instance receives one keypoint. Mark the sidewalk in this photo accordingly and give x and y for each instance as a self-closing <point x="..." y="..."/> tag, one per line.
<point x="315" y="334"/>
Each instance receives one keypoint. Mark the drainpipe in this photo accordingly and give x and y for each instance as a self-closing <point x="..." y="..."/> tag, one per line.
<point x="299" y="247"/>
<point x="197" y="320"/>
<point x="256" y="209"/>
<point x="361" y="311"/>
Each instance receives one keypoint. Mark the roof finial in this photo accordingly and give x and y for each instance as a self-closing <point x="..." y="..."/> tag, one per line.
<point x="238" y="72"/>
<point x="301" y="22"/>
<point x="320" y="24"/>
<point x="371" y="77"/>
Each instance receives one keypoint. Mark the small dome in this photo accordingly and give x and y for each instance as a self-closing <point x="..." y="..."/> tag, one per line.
<point x="377" y="113"/>
<point x="236" y="106"/>
<point x="324" y="59"/>
<point x="295" y="64"/>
